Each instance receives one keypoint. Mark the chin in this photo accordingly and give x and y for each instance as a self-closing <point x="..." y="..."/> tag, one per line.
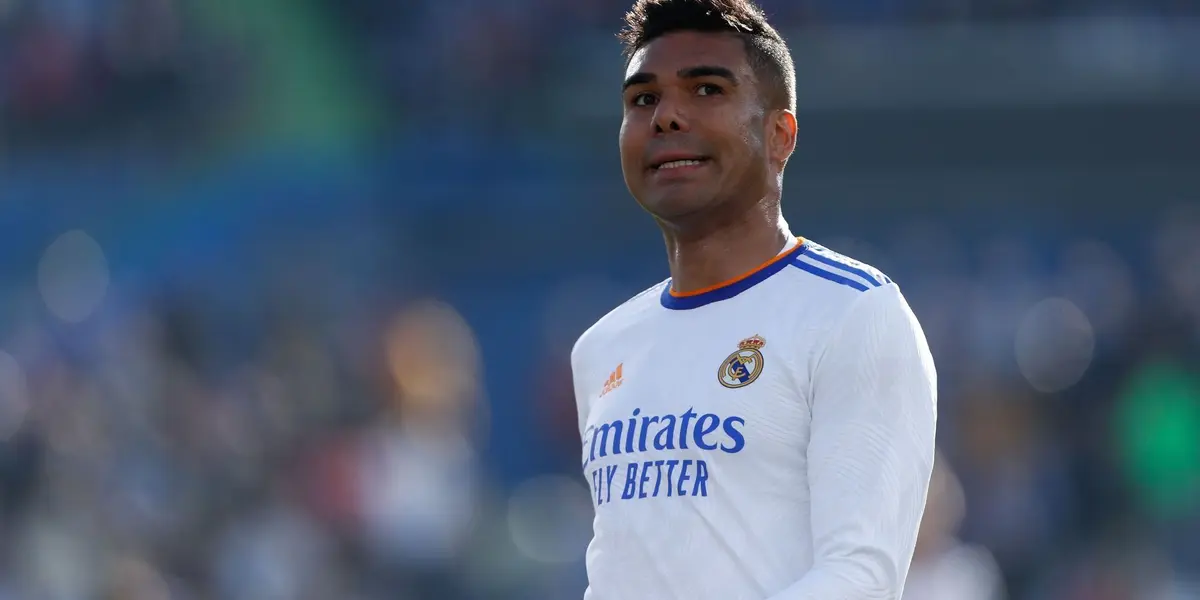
<point x="676" y="205"/>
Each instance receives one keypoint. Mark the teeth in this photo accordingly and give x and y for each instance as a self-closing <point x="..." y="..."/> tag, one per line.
<point x="678" y="163"/>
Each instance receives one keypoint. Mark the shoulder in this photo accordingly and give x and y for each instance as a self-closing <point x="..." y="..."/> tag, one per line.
<point x="842" y="301"/>
<point x="823" y="286"/>
<point x="827" y="269"/>
<point x="866" y="325"/>
<point x="608" y="328"/>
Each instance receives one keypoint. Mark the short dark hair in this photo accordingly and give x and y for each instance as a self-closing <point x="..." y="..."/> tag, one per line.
<point x="766" y="51"/>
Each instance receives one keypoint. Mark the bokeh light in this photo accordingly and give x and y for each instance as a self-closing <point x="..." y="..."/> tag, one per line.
<point x="1055" y="344"/>
<point x="549" y="518"/>
<point x="14" y="396"/>
<point x="73" y="276"/>
<point x="135" y="579"/>
<point x="573" y="305"/>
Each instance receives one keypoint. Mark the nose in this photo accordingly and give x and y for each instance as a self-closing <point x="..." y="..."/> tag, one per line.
<point x="669" y="116"/>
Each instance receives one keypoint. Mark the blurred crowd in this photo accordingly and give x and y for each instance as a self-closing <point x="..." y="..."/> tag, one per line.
<point x="144" y="455"/>
<point x="206" y="395"/>
<point x="225" y="72"/>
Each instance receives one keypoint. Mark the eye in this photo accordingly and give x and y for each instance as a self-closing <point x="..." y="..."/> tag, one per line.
<point x="642" y="99"/>
<point x="708" y="89"/>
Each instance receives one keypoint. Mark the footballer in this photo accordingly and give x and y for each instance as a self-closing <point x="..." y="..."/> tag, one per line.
<point x="759" y="426"/>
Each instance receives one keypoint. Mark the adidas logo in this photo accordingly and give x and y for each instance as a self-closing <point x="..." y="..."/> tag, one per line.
<point x="614" y="381"/>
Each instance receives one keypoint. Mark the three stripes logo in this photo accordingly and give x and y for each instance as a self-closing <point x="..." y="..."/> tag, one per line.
<point x="614" y="381"/>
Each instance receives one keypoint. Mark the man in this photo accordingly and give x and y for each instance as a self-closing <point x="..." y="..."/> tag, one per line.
<point x="761" y="424"/>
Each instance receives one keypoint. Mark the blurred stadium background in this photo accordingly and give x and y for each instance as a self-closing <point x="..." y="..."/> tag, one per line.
<point x="287" y="287"/>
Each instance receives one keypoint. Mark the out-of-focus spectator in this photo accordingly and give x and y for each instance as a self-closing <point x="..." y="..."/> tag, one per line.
<point x="418" y="471"/>
<point x="943" y="567"/>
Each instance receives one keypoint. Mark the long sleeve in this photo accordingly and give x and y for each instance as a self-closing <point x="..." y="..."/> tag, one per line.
<point x="870" y="456"/>
<point x="581" y="398"/>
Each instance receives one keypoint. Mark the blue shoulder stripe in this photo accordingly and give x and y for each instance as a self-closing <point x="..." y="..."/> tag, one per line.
<point x="875" y="278"/>
<point x="823" y="274"/>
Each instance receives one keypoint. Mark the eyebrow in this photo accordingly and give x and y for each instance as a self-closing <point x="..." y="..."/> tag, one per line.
<point x="642" y="77"/>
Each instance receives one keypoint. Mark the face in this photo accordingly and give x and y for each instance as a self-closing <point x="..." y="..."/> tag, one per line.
<point x="695" y="133"/>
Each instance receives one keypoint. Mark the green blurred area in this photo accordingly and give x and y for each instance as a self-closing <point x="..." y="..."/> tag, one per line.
<point x="1158" y="425"/>
<point x="305" y="87"/>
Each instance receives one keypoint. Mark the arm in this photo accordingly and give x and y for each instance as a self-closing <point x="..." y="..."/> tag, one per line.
<point x="581" y="383"/>
<point x="581" y="410"/>
<point x="577" y="383"/>
<point x="874" y="413"/>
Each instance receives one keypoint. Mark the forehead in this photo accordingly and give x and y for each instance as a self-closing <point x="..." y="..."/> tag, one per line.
<point x="666" y="55"/>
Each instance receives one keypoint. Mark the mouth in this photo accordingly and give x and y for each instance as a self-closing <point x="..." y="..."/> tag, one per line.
<point x="682" y="163"/>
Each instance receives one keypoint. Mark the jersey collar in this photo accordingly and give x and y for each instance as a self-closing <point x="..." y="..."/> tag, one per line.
<point x="727" y="289"/>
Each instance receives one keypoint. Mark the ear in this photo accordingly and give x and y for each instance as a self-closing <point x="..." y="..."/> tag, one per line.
<point x="781" y="135"/>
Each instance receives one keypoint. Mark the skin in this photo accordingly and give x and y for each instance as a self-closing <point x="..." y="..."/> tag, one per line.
<point x="695" y="95"/>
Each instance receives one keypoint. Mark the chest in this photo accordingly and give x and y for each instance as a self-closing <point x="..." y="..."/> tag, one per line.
<point x="727" y="389"/>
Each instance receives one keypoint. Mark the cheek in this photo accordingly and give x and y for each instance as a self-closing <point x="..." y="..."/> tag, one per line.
<point x="630" y="145"/>
<point x="753" y="134"/>
<point x="753" y="141"/>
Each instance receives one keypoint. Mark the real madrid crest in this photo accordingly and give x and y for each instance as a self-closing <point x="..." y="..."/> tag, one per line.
<point x="742" y="367"/>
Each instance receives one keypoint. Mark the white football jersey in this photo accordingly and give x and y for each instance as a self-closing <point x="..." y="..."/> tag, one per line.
<point x="768" y="438"/>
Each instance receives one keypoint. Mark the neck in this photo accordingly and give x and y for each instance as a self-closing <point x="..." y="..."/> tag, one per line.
<point x="703" y="256"/>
